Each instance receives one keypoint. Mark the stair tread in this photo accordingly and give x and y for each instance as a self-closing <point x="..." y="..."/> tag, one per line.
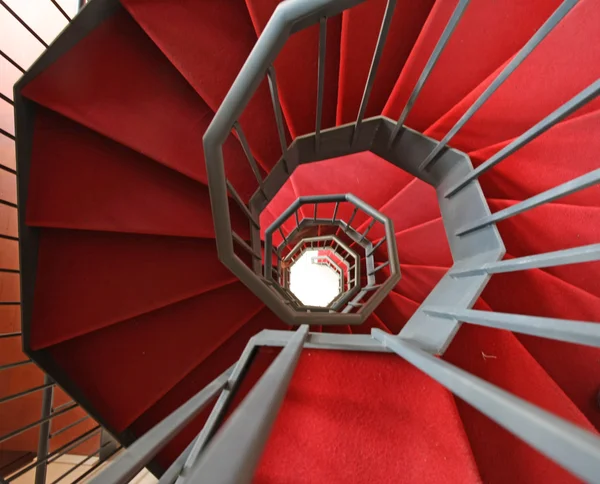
<point x="82" y="180"/>
<point x="169" y="116"/>
<point x="360" y="31"/>
<point x="497" y="357"/>
<point x="546" y="162"/>
<point x="185" y="334"/>
<point x="80" y="272"/>
<point x="296" y="70"/>
<point x="536" y="88"/>
<point x="217" y="362"/>
<point x="330" y="420"/>
<point x="486" y="36"/>
<point x="194" y="35"/>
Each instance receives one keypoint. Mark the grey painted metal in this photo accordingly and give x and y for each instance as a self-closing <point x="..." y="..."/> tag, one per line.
<point x="174" y="470"/>
<point x="589" y="179"/>
<point x="7" y="99"/>
<point x="7" y="134"/>
<point x="32" y="425"/>
<point x="144" y="449"/>
<point x="242" y="205"/>
<point x="241" y="242"/>
<point x="433" y="58"/>
<point x="108" y="445"/>
<point x="10" y="335"/>
<point x="61" y="10"/>
<point x="320" y="79"/>
<point x="44" y="432"/>
<point x="577" y="255"/>
<point x="62" y="406"/>
<point x="279" y="120"/>
<point x="248" y="152"/>
<point x="383" y="32"/>
<point x="67" y="427"/>
<point x="220" y="407"/>
<point x="516" y="61"/>
<point x="23" y="23"/>
<point x="11" y="61"/>
<point x="580" y="332"/>
<point x="52" y="456"/>
<point x="532" y="133"/>
<point x="82" y="462"/>
<point x="14" y="365"/>
<point x="25" y="392"/>
<point x="568" y="445"/>
<point x="245" y="433"/>
<point x="323" y="341"/>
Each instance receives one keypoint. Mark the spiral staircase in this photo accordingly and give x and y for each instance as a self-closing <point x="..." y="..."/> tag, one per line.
<point x="171" y="156"/>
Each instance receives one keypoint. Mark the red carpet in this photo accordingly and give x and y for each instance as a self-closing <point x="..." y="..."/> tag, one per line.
<point x="128" y="270"/>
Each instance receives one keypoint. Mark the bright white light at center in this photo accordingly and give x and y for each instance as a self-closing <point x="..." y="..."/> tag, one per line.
<point x="313" y="284"/>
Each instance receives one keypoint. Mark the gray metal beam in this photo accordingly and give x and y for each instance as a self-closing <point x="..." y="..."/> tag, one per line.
<point x="516" y="61"/>
<point x="577" y="255"/>
<point x="568" y="445"/>
<point x="151" y="443"/>
<point x="580" y="332"/>
<point x="532" y="133"/>
<point x="575" y="185"/>
<point x="433" y="58"/>
<point x="246" y="432"/>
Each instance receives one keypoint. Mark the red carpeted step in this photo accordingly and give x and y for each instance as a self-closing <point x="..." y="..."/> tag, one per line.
<point x="499" y="358"/>
<point x="82" y="180"/>
<point x="565" y="63"/>
<point x="418" y="281"/>
<point x="395" y="310"/>
<point x="89" y="280"/>
<point x="152" y="352"/>
<point x="414" y="204"/>
<point x="485" y="37"/>
<point x="562" y="227"/>
<point x="340" y="432"/>
<point x="537" y="293"/>
<point x="117" y="82"/>
<point x="211" y="367"/>
<point x="360" y="31"/>
<point x="296" y="70"/>
<point x="568" y="150"/>
<point x="194" y="36"/>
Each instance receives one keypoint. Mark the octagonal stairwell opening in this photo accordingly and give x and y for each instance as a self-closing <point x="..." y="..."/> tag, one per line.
<point x="314" y="283"/>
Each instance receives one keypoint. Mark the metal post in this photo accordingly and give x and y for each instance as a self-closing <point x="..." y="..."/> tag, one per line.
<point x="44" y="435"/>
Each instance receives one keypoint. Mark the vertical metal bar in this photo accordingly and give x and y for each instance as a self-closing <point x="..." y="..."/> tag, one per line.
<point x="321" y="80"/>
<point x="544" y="125"/>
<point x="439" y="48"/>
<point x="108" y="445"/>
<point x="60" y="9"/>
<point x="251" y="160"/>
<point x="375" y="247"/>
<point x="335" y="211"/>
<point x="242" y="205"/>
<point x="44" y="435"/>
<point x="23" y="23"/>
<point x="383" y="32"/>
<point x="245" y="246"/>
<point x="315" y="212"/>
<point x="352" y="217"/>
<point x="278" y="114"/>
<point x="568" y="445"/>
<point x="296" y="217"/>
<point x="369" y="227"/>
<point x="579" y="183"/>
<point x="247" y="430"/>
<point x="282" y="235"/>
<point x="527" y="49"/>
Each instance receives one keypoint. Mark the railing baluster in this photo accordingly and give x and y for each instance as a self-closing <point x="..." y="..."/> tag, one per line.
<point x="7" y="134"/>
<point x="570" y="446"/>
<point x="580" y="332"/>
<point x="23" y="23"/>
<point x="531" y="44"/>
<point x="278" y="114"/>
<point x="11" y="61"/>
<point x="584" y="181"/>
<point x="351" y="219"/>
<point x="335" y="211"/>
<point x="25" y="392"/>
<point x="60" y="9"/>
<point x="245" y="246"/>
<point x="320" y="80"/>
<point x="383" y="32"/>
<point x="14" y="365"/>
<point x="378" y="268"/>
<point x="9" y="335"/>
<point x="251" y="160"/>
<point x="375" y="247"/>
<point x="439" y="47"/>
<point x="67" y="427"/>
<point x="35" y="424"/>
<point x="242" y="205"/>
<point x="577" y="255"/>
<point x="153" y="441"/>
<point x="544" y="125"/>
<point x="368" y="229"/>
<point x="246" y="432"/>
<point x="7" y="99"/>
